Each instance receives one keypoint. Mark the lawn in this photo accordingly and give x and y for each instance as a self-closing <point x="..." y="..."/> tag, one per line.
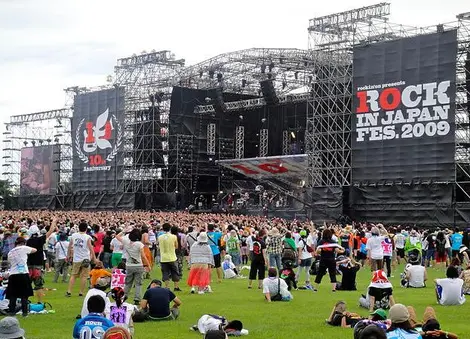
<point x="304" y="317"/>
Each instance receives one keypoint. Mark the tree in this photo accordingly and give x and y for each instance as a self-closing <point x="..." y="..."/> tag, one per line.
<point x="6" y="194"/>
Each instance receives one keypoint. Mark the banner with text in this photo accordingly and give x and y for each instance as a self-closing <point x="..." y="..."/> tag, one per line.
<point x="404" y="110"/>
<point x="98" y="136"/>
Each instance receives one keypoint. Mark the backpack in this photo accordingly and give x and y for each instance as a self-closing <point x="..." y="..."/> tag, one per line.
<point x="441" y="245"/>
<point x="257" y="250"/>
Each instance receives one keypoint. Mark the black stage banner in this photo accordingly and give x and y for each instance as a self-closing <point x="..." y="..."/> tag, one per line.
<point x="404" y="110"/>
<point x="97" y="135"/>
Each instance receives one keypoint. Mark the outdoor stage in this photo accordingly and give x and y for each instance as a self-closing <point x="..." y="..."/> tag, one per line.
<point x="370" y="123"/>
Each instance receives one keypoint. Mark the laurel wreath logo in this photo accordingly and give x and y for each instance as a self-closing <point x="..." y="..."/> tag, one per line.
<point x="114" y="151"/>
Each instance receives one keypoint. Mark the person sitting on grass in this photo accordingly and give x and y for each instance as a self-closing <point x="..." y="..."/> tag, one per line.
<point x="348" y="268"/>
<point x="94" y="324"/>
<point x="155" y="305"/>
<point x="465" y="276"/>
<point x="379" y="293"/>
<point x="341" y="317"/>
<point x="415" y="276"/>
<point x="372" y="332"/>
<point x="10" y="328"/>
<point x="98" y="272"/>
<point x="274" y="288"/>
<point x="212" y="322"/>
<point x="401" y="327"/>
<point x="99" y="288"/>
<point x="120" y="312"/>
<point x="449" y="291"/>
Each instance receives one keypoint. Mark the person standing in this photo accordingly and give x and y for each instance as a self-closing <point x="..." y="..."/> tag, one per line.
<point x="233" y="248"/>
<point x="36" y="260"/>
<point x="259" y="262"/>
<point x="107" y="252"/>
<point x="400" y="239"/>
<point x="375" y="252"/>
<point x="305" y="257"/>
<point x="61" y="263"/>
<point x="98" y="237"/>
<point x="81" y="252"/>
<point x="387" y="247"/>
<point x="136" y="263"/>
<point x="327" y="250"/>
<point x="214" y="242"/>
<point x="19" y="283"/>
<point x="117" y="248"/>
<point x="201" y="260"/>
<point x="456" y="241"/>
<point x="274" y="248"/>
<point x="168" y="243"/>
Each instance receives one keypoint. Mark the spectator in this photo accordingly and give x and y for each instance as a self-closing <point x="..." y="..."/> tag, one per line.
<point x="62" y="261"/>
<point x="341" y="317"/>
<point x="327" y="251"/>
<point x="155" y="304"/>
<point x="36" y="259"/>
<point x="259" y="261"/>
<point x="233" y="248"/>
<point x="379" y="293"/>
<point x="449" y="291"/>
<point x="431" y="328"/>
<point x="348" y="268"/>
<point x="212" y="322"/>
<point x="179" y="251"/>
<point x="98" y="289"/>
<point x="215" y="334"/>
<point x="441" y="249"/>
<point x="10" y="328"/>
<point x="401" y="327"/>
<point x="465" y="276"/>
<point x="431" y="251"/>
<point x="107" y="251"/>
<point x="305" y="248"/>
<point x="214" y="242"/>
<point x="136" y="263"/>
<point x="168" y="243"/>
<point x="98" y="237"/>
<point x="201" y="259"/>
<point x="19" y="283"/>
<point x="117" y="332"/>
<point x="372" y="332"/>
<point x="415" y="276"/>
<point x="456" y="241"/>
<point x="81" y="252"/>
<point x="98" y="272"/>
<point x="274" y="248"/>
<point x="274" y="288"/>
<point x="375" y="253"/>
<point x="86" y="328"/>
<point x="120" y="312"/>
<point x="117" y="248"/>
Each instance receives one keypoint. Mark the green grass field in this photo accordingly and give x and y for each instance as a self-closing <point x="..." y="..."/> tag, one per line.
<point x="304" y="317"/>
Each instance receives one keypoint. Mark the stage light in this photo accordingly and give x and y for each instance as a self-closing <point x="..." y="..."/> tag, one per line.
<point x="59" y="122"/>
<point x="240" y="117"/>
<point x="440" y="28"/>
<point x="292" y="133"/>
<point x="25" y="142"/>
<point x="296" y="75"/>
<point x="41" y="142"/>
<point x="264" y="120"/>
<point x="33" y="143"/>
<point x="56" y="140"/>
<point x="207" y="99"/>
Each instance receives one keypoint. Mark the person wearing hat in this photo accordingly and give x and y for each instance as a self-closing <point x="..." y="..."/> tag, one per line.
<point x="10" y="329"/>
<point x="155" y="305"/>
<point x="378" y="319"/>
<point x="117" y="332"/>
<point x="201" y="259"/>
<point x="274" y="248"/>
<point x="37" y="240"/>
<point x="19" y="282"/>
<point x="401" y="327"/>
<point x="305" y="248"/>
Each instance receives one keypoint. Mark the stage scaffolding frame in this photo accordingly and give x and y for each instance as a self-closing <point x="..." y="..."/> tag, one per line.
<point x="329" y="115"/>
<point x="148" y="82"/>
<point x="47" y="128"/>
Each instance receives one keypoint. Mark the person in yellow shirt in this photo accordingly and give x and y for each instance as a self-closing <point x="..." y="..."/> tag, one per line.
<point x="168" y="244"/>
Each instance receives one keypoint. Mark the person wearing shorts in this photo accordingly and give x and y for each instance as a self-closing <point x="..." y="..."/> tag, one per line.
<point x="81" y="252"/>
<point x="168" y="243"/>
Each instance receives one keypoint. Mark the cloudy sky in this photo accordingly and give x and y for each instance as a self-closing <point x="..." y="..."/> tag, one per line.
<point x="48" y="45"/>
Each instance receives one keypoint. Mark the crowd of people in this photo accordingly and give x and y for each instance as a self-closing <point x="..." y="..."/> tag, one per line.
<point x="99" y="248"/>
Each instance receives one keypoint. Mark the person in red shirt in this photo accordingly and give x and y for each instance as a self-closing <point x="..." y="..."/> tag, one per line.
<point x="98" y="237"/>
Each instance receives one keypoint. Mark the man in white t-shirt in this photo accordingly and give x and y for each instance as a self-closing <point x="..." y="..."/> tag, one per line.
<point x="99" y="289"/>
<point x="305" y="257"/>
<point x="375" y="252"/>
<point x="415" y="276"/>
<point x="81" y="252"/>
<point x="449" y="291"/>
<point x="273" y="285"/>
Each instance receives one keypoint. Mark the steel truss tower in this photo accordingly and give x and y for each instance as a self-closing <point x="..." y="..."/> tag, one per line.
<point x="331" y="40"/>
<point x="147" y="80"/>
<point x="49" y="128"/>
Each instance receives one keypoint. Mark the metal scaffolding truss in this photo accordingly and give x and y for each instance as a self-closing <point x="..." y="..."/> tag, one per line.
<point x="240" y="142"/>
<point x="263" y="142"/>
<point x="241" y="71"/>
<point x="39" y="129"/>
<point x="148" y="82"/>
<point x="211" y="139"/>
<point x="462" y="109"/>
<point x="331" y="40"/>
